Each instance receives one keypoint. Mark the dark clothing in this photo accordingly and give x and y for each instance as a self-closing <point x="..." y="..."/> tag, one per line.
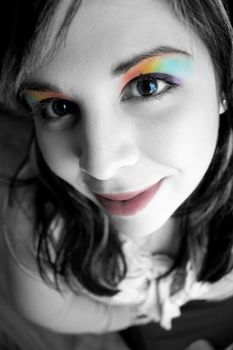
<point x="212" y="321"/>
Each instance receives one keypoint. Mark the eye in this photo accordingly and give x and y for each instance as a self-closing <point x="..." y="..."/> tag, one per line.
<point x="53" y="110"/>
<point x="147" y="86"/>
<point x="58" y="108"/>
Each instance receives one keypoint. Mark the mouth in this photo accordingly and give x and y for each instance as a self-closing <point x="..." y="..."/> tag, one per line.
<point x="127" y="204"/>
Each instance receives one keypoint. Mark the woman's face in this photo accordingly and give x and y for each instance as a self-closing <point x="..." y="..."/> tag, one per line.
<point x="128" y="103"/>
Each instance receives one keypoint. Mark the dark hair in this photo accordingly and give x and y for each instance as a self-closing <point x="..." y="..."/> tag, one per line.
<point x="206" y="215"/>
<point x="87" y="244"/>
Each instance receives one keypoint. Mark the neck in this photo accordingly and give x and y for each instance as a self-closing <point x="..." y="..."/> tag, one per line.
<point x="165" y="240"/>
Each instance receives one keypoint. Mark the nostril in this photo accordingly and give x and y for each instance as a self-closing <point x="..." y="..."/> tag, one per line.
<point x="102" y="153"/>
<point x="105" y="170"/>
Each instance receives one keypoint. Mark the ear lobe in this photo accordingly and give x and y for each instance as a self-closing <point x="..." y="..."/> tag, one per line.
<point x="223" y="106"/>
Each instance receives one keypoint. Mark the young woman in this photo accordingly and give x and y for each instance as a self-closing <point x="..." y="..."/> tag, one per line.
<point x="122" y="213"/>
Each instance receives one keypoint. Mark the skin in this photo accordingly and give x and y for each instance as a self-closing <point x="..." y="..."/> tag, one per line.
<point x="120" y="146"/>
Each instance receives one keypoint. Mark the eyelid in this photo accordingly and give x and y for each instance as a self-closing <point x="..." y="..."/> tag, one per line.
<point x="155" y="75"/>
<point x="34" y="104"/>
<point x="32" y="97"/>
<point x="175" y="65"/>
<point x="169" y="79"/>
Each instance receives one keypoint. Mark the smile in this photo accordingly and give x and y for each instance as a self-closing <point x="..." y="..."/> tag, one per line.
<point x="127" y="204"/>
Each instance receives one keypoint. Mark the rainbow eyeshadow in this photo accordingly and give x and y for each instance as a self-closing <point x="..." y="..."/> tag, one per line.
<point x="34" y="96"/>
<point x="178" y="66"/>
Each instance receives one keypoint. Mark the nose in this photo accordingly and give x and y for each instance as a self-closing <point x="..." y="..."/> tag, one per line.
<point x="107" y="145"/>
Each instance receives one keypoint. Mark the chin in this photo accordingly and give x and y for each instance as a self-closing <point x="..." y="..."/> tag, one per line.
<point x="140" y="226"/>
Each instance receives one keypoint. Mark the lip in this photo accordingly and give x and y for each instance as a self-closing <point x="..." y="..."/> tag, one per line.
<point x="130" y="203"/>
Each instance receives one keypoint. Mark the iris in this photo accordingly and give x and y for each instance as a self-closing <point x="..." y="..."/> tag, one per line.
<point x="147" y="87"/>
<point x="62" y="107"/>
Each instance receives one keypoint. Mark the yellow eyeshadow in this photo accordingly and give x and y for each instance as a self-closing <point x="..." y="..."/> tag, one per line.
<point x="179" y="66"/>
<point x="35" y="96"/>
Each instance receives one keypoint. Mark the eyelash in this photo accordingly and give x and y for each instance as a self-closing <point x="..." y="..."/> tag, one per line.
<point x="169" y="80"/>
<point x="40" y="109"/>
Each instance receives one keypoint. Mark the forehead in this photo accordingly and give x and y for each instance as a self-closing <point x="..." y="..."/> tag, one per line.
<point x="104" y="33"/>
<point x="137" y="19"/>
<point x="129" y="23"/>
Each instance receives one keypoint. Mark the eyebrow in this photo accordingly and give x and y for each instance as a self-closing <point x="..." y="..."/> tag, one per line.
<point x="158" y="51"/>
<point x="38" y="86"/>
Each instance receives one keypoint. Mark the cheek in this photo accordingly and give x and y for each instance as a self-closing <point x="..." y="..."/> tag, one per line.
<point x="58" y="152"/>
<point x="182" y="136"/>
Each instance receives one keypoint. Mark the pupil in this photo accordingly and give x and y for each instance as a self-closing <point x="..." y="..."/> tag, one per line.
<point x="147" y="87"/>
<point x="60" y="108"/>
